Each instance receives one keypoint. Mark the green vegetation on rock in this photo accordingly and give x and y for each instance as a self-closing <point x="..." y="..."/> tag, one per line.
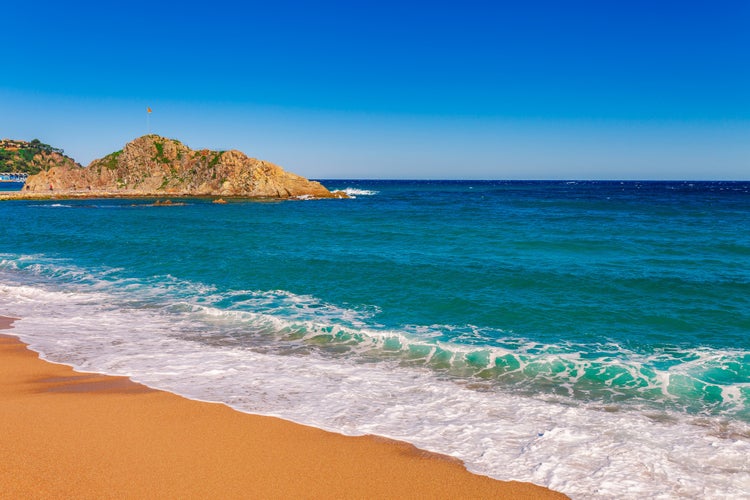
<point x="160" y="153"/>
<point x="110" y="161"/>
<point x="215" y="160"/>
<point x="30" y="157"/>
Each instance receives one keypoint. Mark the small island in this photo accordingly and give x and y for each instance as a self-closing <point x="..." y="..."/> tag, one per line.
<point x="155" y="166"/>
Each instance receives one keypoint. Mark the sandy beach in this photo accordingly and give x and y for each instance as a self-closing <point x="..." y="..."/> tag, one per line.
<point x="81" y="435"/>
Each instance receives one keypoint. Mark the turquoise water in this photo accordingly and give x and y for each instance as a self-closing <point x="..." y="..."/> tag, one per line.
<point x="629" y="302"/>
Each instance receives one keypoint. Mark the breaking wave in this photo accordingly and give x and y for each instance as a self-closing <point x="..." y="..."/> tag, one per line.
<point x="584" y="419"/>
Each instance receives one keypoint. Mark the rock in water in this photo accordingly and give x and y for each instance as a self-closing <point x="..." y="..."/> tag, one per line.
<point x="156" y="166"/>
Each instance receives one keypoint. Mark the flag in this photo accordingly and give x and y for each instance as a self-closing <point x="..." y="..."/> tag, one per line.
<point x="148" y="110"/>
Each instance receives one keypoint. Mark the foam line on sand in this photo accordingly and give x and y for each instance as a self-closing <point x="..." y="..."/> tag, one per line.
<point x="67" y="434"/>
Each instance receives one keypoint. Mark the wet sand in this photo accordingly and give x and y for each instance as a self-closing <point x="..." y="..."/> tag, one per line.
<point x="80" y="435"/>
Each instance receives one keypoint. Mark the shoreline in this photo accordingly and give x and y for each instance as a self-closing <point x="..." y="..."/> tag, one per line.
<point x="105" y="195"/>
<point x="86" y="435"/>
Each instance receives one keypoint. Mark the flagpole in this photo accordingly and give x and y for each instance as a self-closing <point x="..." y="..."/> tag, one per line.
<point x="148" y="120"/>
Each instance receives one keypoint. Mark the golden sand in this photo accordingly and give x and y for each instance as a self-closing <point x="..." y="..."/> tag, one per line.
<point x="79" y="435"/>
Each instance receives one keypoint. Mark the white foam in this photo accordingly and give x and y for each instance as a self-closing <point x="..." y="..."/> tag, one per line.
<point x="584" y="450"/>
<point x="53" y="205"/>
<point x="666" y="375"/>
<point x="354" y="192"/>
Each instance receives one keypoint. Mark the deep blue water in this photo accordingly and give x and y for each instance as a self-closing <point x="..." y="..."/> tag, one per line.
<point x="10" y="186"/>
<point x="630" y="295"/>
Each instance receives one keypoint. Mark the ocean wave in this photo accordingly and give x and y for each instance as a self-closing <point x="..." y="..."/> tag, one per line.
<point x="52" y="205"/>
<point x="354" y="192"/>
<point x="697" y="380"/>
<point x="580" y="419"/>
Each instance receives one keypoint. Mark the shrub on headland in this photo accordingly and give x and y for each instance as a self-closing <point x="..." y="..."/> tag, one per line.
<point x="31" y="157"/>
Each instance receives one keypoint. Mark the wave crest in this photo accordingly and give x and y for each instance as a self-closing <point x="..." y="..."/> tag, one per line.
<point x="353" y="192"/>
<point x="702" y="380"/>
<point x="493" y="406"/>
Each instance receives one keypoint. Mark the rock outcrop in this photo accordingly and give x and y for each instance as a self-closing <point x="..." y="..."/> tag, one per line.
<point x="156" y="166"/>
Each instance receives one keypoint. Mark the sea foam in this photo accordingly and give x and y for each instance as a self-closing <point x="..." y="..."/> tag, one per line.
<point x="266" y="358"/>
<point x="354" y="192"/>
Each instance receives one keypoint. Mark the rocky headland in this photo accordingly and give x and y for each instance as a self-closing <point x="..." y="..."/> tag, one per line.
<point x="155" y="166"/>
<point x="24" y="157"/>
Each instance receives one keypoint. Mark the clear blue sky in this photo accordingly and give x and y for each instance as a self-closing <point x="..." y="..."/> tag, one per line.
<point x="484" y="90"/>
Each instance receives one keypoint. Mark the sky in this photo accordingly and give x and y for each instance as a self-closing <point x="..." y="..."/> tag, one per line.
<point x="442" y="90"/>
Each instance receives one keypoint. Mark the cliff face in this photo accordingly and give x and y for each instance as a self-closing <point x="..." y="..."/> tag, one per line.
<point x="156" y="166"/>
<point x="31" y="157"/>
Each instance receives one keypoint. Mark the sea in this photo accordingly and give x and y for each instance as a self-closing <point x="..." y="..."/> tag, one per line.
<point x="592" y="337"/>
